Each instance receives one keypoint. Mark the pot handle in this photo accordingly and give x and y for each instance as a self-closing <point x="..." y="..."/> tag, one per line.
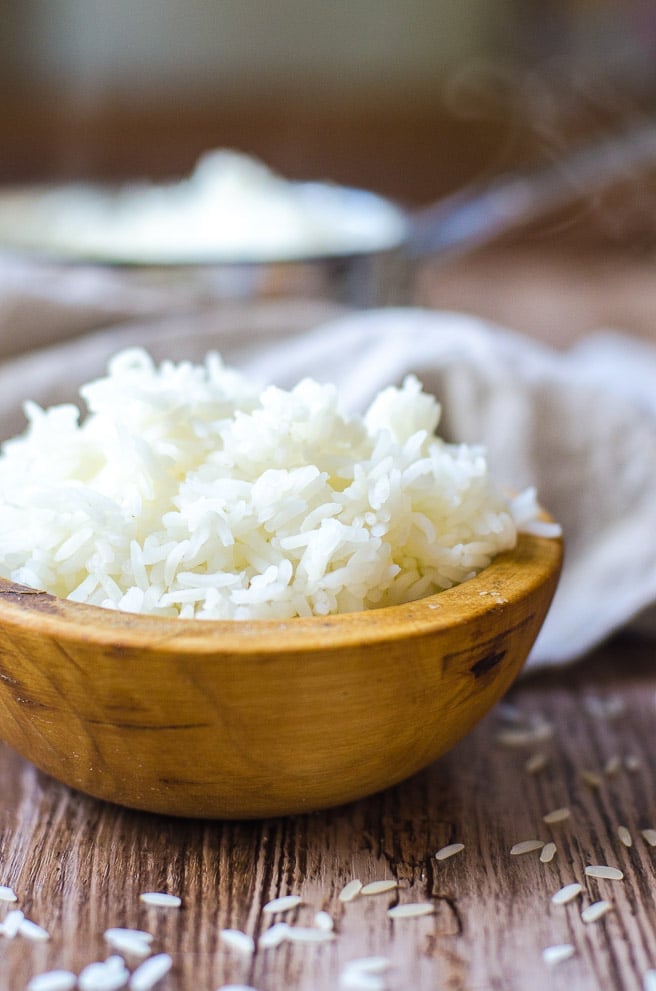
<point x="481" y="212"/>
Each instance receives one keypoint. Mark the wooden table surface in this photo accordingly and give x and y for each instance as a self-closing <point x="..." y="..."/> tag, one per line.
<point x="78" y="866"/>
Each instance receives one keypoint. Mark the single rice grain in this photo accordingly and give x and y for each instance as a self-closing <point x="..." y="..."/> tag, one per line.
<point x="411" y="910"/>
<point x="379" y="887"/>
<point x="53" y="980"/>
<point x="567" y="893"/>
<point x="526" y="846"/>
<point x="160" y="899"/>
<point x="605" y="872"/>
<point x="557" y="815"/>
<point x="449" y="851"/>
<point x="595" y="911"/>
<point x="150" y="972"/>
<point x="553" y="955"/>
<point x="350" y="890"/>
<point x="548" y="853"/>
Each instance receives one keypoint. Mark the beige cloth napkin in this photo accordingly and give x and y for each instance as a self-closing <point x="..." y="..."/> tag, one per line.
<point x="580" y="425"/>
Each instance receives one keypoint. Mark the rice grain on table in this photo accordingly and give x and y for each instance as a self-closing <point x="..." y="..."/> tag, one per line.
<point x="553" y="955"/>
<point x="365" y="974"/>
<point x="445" y="852"/>
<point x="625" y="836"/>
<point x="53" y="980"/>
<point x="526" y="846"/>
<point x="411" y="910"/>
<point x="187" y="491"/>
<point x="591" y="779"/>
<point x="323" y="920"/>
<point x="238" y="940"/>
<point x="7" y="894"/>
<point x="30" y="930"/>
<point x="548" y="853"/>
<point x="649" y="980"/>
<point x="309" y="934"/>
<point x="649" y="835"/>
<point x="350" y="890"/>
<point x="556" y="816"/>
<point x="132" y="942"/>
<point x="11" y="923"/>
<point x="379" y="887"/>
<point x="150" y="972"/>
<point x="605" y="872"/>
<point x="274" y="935"/>
<point x="536" y="763"/>
<point x="285" y="903"/>
<point x="160" y="899"/>
<point x="567" y="893"/>
<point x="104" y="975"/>
<point x="596" y="910"/>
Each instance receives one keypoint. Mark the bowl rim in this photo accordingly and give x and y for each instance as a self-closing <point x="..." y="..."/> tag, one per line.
<point x="511" y="577"/>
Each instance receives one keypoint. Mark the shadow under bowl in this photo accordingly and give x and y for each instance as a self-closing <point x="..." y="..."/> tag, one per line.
<point x="254" y="719"/>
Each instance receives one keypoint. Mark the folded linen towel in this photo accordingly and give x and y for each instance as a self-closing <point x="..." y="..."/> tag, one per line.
<point x="579" y="425"/>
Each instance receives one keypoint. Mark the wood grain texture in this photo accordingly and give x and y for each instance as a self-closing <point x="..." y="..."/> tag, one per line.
<point x="246" y="719"/>
<point x="78" y="865"/>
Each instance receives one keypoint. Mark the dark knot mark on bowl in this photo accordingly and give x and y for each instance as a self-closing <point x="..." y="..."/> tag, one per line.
<point x="487" y="663"/>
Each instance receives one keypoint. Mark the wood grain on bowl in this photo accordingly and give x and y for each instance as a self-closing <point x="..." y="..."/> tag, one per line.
<point x="259" y="718"/>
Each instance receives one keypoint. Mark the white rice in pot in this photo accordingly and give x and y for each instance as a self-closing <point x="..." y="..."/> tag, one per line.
<point x="185" y="491"/>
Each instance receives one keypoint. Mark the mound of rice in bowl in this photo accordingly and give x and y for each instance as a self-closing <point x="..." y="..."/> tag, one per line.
<point x="185" y="491"/>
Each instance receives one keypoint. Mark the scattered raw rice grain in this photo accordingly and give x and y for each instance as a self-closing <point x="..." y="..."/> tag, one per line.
<point x="53" y="980"/>
<point x="548" y="853"/>
<point x="612" y="765"/>
<point x="595" y="911"/>
<point x="160" y="899"/>
<point x="649" y="980"/>
<point x="625" y="836"/>
<point x="591" y="779"/>
<point x="11" y="924"/>
<point x="131" y="942"/>
<point x="352" y="979"/>
<point x="604" y="708"/>
<point x="508" y="712"/>
<point x="350" y="891"/>
<point x="649" y="835"/>
<point x="150" y="972"/>
<point x="7" y="894"/>
<point x="107" y="975"/>
<point x="526" y="846"/>
<point x="30" y="930"/>
<point x="411" y="910"/>
<point x="632" y="763"/>
<point x="558" y="815"/>
<point x="449" y="851"/>
<point x="605" y="872"/>
<point x="238" y="940"/>
<point x="536" y="763"/>
<point x="369" y="965"/>
<point x="283" y="904"/>
<point x="518" y="737"/>
<point x="274" y="936"/>
<point x="567" y="894"/>
<point x="379" y="887"/>
<point x="236" y="987"/>
<point x="323" y="920"/>
<point x="553" y="955"/>
<point x="309" y="934"/>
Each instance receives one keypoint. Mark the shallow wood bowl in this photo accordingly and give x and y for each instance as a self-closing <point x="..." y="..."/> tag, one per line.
<point x="250" y="719"/>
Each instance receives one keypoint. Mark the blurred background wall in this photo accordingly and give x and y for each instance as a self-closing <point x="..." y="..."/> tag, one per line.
<point x="411" y="97"/>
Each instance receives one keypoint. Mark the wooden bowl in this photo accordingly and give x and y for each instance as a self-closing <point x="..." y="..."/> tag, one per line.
<point x="249" y="719"/>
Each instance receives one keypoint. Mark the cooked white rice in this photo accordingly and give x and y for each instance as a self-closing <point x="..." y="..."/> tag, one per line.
<point x="187" y="492"/>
